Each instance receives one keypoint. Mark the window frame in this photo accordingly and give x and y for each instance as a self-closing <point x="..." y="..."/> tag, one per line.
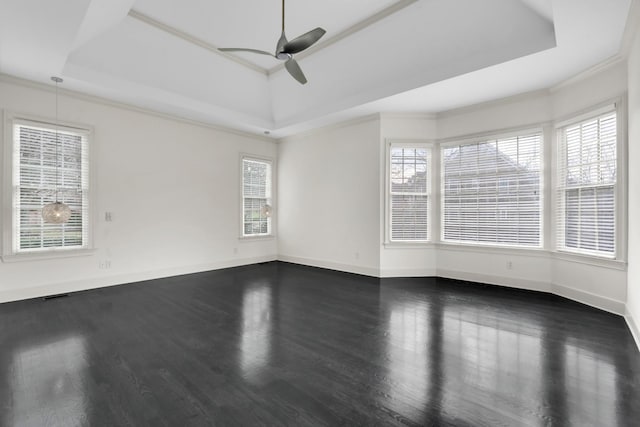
<point x="484" y="137"/>
<point x="430" y="146"/>
<point x="7" y="214"/>
<point x="271" y="224"/>
<point x="617" y="105"/>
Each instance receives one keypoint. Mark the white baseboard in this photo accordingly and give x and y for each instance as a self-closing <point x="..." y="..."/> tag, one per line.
<point x="100" y="282"/>
<point x="408" y="272"/>
<point x="633" y="327"/>
<point x="597" y="301"/>
<point x="330" y="265"/>
<point x="509" y="282"/>
<point x="593" y="300"/>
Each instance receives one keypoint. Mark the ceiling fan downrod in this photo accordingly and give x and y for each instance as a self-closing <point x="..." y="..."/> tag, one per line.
<point x="286" y="49"/>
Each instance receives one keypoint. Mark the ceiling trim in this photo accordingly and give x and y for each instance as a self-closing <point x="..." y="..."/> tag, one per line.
<point x="408" y="115"/>
<point x="331" y="127"/>
<point x="538" y="93"/>
<point x="8" y="78"/>
<point x="397" y="6"/>
<point x="591" y="71"/>
<point x="194" y="40"/>
<point x="631" y="27"/>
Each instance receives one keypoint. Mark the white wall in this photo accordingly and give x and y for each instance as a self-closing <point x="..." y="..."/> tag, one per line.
<point x="331" y="188"/>
<point x="633" y="289"/>
<point x="397" y="260"/>
<point x="173" y="188"/>
<point x="603" y="285"/>
<point x="328" y="198"/>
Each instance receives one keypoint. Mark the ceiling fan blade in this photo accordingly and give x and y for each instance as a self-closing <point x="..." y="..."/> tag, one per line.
<point x="240" y="49"/>
<point x="304" y="41"/>
<point x="294" y="69"/>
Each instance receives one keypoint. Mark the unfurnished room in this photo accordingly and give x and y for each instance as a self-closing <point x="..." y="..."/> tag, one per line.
<point x="319" y="213"/>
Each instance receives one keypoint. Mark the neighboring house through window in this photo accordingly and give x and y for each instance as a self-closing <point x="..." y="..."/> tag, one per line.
<point x="409" y="192"/>
<point x="491" y="191"/>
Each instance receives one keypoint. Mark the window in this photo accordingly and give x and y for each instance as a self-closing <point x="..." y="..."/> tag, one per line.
<point x="409" y="188"/>
<point x="46" y="161"/>
<point x="587" y="181"/>
<point x="256" y="197"/>
<point x="491" y="191"/>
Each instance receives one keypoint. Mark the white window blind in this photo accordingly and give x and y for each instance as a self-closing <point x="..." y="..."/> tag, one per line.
<point x="37" y="175"/>
<point x="256" y="197"/>
<point x="587" y="179"/>
<point x="492" y="192"/>
<point x="409" y="186"/>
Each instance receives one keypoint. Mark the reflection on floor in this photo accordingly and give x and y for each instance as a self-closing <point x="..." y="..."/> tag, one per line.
<point x="280" y="344"/>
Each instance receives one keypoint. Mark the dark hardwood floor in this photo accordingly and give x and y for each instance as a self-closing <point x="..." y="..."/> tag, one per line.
<point x="281" y="344"/>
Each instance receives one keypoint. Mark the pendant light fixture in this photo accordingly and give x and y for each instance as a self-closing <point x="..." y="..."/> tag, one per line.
<point x="265" y="210"/>
<point x="56" y="212"/>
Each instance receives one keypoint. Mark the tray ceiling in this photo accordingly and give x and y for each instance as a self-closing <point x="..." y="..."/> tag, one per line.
<point x="377" y="54"/>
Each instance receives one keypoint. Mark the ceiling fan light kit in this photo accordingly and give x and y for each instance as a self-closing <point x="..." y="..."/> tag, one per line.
<point x="285" y="49"/>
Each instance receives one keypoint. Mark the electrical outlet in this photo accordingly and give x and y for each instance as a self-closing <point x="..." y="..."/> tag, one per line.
<point x="509" y="265"/>
<point x="105" y="264"/>
<point x="108" y="216"/>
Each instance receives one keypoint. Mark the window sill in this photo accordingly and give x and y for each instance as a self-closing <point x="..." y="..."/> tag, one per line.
<point x="505" y="250"/>
<point x="46" y="255"/>
<point x="614" y="264"/>
<point x="256" y="238"/>
<point x="408" y="245"/>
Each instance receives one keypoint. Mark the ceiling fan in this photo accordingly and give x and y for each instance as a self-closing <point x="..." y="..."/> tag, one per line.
<point x="286" y="49"/>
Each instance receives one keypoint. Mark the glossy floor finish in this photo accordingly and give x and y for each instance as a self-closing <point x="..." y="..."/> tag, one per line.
<point x="280" y="344"/>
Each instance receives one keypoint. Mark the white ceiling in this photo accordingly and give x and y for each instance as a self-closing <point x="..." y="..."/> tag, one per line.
<point x="377" y="55"/>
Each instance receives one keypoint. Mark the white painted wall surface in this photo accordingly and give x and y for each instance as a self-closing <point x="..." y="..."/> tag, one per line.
<point x="599" y="86"/>
<point x="523" y="110"/>
<point x="601" y="286"/>
<point x="328" y="198"/>
<point x="173" y="189"/>
<point x="633" y="280"/>
<point x="513" y="268"/>
<point x="397" y="260"/>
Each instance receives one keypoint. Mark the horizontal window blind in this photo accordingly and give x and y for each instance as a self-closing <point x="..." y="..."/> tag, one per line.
<point x="491" y="192"/>
<point x="256" y="195"/>
<point x="38" y="174"/>
<point x="409" y="193"/>
<point x="587" y="180"/>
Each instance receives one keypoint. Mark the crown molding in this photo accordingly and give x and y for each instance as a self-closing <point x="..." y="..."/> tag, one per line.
<point x="194" y="40"/>
<point x="494" y="102"/>
<point x="327" y="128"/>
<point x="408" y="116"/>
<point x="395" y="7"/>
<point x="7" y="78"/>
<point x="390" y="10"/>
<point x="631" y="28"/>
<point x="613" y="61"/>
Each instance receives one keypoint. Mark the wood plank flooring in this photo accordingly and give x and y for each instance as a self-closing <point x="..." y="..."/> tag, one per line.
<point x="281" y="344"/>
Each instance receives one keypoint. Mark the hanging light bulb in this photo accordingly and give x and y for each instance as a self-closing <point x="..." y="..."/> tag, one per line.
<point x="56" y="212"/>
<point x="265" y="210"/>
